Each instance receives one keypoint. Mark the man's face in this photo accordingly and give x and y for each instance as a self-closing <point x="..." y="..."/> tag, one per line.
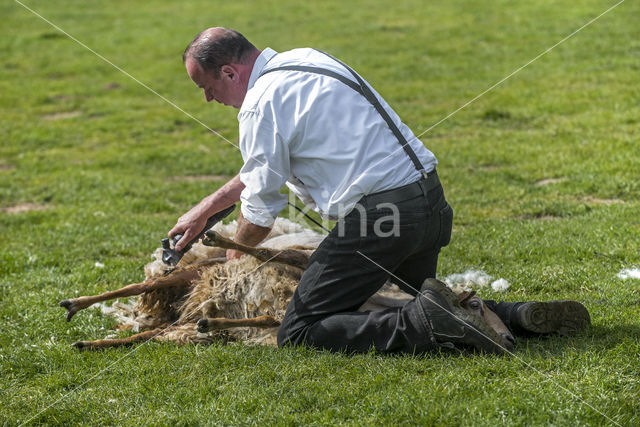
<point x="223" y="90"/>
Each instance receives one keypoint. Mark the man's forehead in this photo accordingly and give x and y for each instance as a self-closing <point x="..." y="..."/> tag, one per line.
<point x="194" y="69"/>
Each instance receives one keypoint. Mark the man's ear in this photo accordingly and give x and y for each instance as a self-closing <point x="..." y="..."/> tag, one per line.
<point x="230" y="72"/>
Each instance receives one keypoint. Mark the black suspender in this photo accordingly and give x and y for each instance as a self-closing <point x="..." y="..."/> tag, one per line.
<point x="363" y="89"/>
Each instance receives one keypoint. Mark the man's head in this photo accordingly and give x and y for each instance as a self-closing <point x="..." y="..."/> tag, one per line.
<point x="219" y="61"/>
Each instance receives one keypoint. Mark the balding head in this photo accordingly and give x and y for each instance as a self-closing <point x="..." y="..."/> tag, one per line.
<point x="215" y="47"/>
<point x="220" y="62"/>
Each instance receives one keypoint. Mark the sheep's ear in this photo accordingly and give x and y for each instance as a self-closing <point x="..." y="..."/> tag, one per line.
<point x="464" y="296"/>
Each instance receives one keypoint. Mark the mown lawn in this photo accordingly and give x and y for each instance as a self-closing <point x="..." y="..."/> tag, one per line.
<point x="542" y="171"/>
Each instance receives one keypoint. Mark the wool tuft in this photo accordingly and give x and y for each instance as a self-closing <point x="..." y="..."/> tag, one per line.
<point x="629" y="273"/>
<point x="500" y="285"/>
<point x="471" y="279"/>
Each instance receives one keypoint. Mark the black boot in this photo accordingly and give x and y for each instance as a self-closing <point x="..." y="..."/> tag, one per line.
<point x="450" y="323"/>
<point x="529" y="318"/>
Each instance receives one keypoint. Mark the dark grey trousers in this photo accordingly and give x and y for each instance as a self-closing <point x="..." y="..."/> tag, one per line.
<point x="354" y="261"/>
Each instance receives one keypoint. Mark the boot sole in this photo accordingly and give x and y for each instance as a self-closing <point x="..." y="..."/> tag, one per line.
<point x="561" y="317"/>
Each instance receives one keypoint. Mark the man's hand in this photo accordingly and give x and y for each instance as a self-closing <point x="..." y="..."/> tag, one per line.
<point x="190" y="225"/>
<point x="193" y="222"/>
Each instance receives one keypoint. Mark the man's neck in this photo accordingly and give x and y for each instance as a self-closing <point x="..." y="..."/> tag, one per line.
<point x="246" y="69"/>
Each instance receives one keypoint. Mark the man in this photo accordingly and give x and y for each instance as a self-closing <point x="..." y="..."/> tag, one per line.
<point x="308" y="121"/>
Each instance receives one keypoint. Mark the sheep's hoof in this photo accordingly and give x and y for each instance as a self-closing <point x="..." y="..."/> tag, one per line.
<point x="210" y="238"/>
<point x="81" y="345"/>
<point x="70" y="306"/>
<point x="203" y="325"/>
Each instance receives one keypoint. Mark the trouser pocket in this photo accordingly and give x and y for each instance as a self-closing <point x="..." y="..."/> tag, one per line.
<point x="446" y="223"/>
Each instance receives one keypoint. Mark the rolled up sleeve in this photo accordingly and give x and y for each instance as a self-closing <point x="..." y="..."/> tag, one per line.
<point x="265" y="171"/>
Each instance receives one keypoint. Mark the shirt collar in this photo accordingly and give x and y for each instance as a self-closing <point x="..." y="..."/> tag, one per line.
<point x="259" y="65"/>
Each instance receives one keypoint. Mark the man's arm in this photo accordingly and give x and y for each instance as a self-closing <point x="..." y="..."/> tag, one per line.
<point x="194" y="221"/>
<point x="247" y="234"/>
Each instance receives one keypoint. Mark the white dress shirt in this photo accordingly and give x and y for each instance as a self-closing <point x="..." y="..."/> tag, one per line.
<point x="320" y="137"/>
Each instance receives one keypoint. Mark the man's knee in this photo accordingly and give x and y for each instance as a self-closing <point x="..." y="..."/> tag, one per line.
<point x="288" y="336"/>
<point x="295" y="330"/>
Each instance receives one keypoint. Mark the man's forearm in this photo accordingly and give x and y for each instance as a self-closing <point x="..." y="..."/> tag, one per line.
<point x="248" y="233"/>
<point x="224" y="197"/>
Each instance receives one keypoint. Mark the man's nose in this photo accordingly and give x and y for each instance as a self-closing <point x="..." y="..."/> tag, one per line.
<point x="208" y="96"/>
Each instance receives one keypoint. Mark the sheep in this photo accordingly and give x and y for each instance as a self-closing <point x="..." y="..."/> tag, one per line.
<point x="208" y="298"/>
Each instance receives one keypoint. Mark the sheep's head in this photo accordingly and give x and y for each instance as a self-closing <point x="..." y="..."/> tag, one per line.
<point x="474" y="305"/>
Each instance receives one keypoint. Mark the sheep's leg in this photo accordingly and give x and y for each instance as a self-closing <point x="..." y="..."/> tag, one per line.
<point x="100" y="344"/>
<point x="178" y="277"/>
<point x="287" y="256"/>
<point x="210" y="324"/>
<point x="181" y="278"/>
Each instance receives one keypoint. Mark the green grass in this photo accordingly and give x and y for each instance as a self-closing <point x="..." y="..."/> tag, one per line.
<point x="109" y="178"/>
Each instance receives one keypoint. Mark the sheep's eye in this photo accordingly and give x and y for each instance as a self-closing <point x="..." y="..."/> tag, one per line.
<point x="474" y="305"/>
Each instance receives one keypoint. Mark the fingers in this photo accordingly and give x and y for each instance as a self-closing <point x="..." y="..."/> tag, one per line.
<point x="178" y="228"/>
<point x="233" y="254"/>
<point x="189" y="225"/>
<point x="188" y="231"/>
<point x="189" y="234"/>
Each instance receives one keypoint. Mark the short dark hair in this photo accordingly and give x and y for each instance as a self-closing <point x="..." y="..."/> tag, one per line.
<point x="211" y="53"/>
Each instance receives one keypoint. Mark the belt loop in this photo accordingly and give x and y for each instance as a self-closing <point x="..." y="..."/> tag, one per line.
<point x="423" y="186"/>
<point x="424" y="182"/>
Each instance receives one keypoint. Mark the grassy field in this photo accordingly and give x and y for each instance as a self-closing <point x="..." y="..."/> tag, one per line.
<point x="542" y="171"/>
